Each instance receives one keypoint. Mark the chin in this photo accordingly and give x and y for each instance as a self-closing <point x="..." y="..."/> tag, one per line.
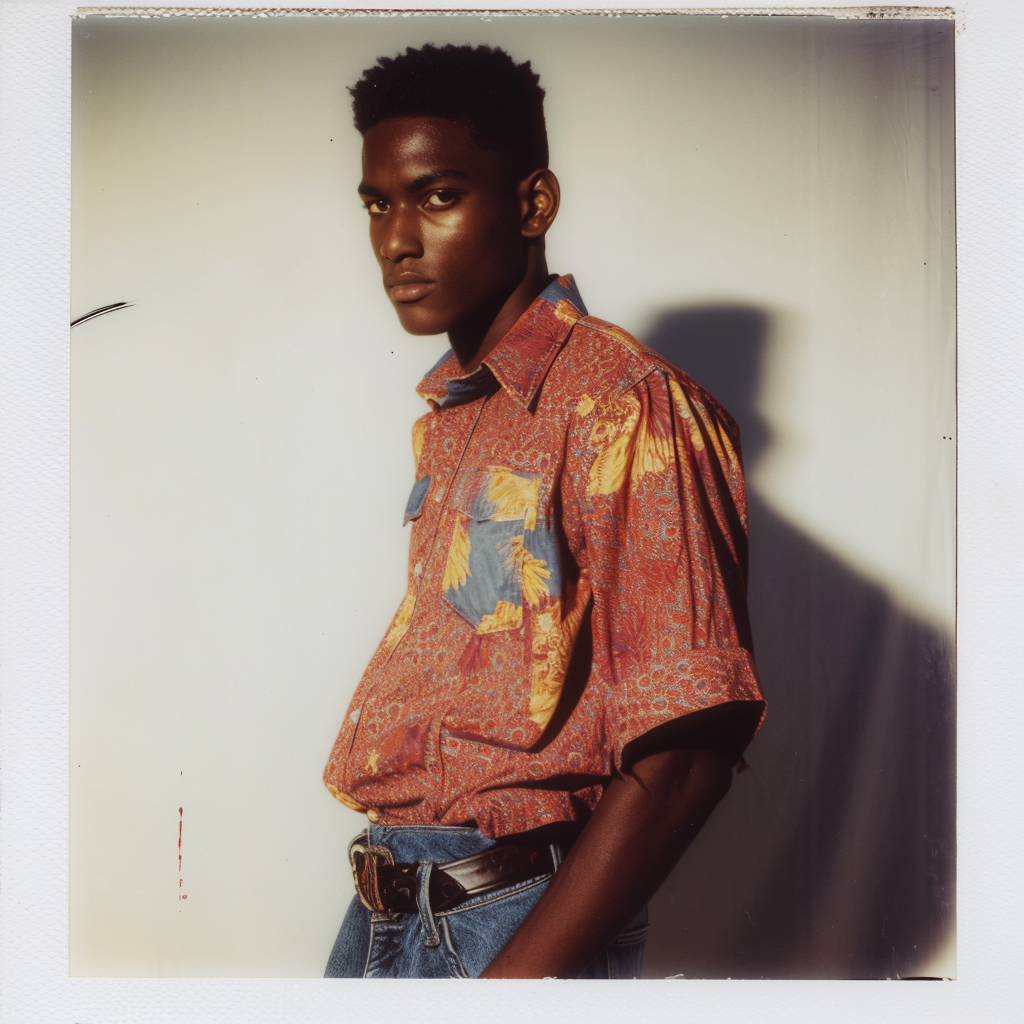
<point x="415" y="320"/>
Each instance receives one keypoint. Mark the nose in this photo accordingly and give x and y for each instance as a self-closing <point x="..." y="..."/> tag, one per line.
<point x="399" y="239"/>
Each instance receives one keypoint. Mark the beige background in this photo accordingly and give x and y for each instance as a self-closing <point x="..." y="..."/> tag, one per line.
<point x="240" y="451"/>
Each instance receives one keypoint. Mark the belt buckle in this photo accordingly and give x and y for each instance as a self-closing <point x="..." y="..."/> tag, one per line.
<point x="365" y="873"/>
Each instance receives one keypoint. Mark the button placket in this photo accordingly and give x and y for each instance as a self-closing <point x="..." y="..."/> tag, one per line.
<point x="446" y="489"/>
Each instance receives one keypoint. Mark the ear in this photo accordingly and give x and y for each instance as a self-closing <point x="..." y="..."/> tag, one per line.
<point x="538" y="202"/>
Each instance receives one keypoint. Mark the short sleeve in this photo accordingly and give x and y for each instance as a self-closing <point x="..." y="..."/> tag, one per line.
<point x="655" y="515"/>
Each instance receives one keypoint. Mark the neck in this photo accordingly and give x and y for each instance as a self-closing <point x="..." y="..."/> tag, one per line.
<point x="475" y="337"/>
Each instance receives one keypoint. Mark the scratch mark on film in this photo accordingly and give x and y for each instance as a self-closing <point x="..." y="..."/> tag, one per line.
<point x="181" y="823"/>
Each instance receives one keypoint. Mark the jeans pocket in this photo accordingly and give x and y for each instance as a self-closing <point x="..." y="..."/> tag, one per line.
<point x="477" y="931"/>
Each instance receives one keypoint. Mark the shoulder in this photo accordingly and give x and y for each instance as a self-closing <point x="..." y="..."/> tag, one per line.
<point x="602" y="362"/>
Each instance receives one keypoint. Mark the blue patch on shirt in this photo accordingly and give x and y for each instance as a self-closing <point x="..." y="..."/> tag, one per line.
<point x="474" y="385"/>
<point x="556" y="291"/>
<point x="493" y="575"/>
<point x="414" y="506"/>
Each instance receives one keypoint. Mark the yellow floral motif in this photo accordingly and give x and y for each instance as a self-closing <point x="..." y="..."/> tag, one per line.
<point x="371" y="762"/>
<point x="419" y="432"/>
<point x="586" y="403"/>
<point x="552" y="645"/>
<point x="505" y="616"/>
<point x="653" y="451"/>
<point x="686" y="414"/>
<point x="532" y="570"/>
<point x="612" y="435"/>
<point x="628" y="445"/>
<point x="727" y="452"/>
<point x="401" y="623"/>
<point x="694" y="416"/>
<point x="456" y="570"/>
<point x="513" y="497"/>
<point x="566" y="311"/>
<point x="344" y="798"/>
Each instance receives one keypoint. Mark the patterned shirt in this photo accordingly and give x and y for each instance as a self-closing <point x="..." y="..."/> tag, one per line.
<point x="577" y="577"/>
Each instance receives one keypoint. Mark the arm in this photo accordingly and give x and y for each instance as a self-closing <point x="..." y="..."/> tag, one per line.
<point x="641" y="826"/>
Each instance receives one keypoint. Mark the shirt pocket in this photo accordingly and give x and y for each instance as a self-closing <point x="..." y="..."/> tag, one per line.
<point x="418" y="495"/>
<point x="494" y="512"/>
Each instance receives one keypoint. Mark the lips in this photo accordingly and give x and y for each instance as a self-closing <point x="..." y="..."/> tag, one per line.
<point x="409" y="287"/>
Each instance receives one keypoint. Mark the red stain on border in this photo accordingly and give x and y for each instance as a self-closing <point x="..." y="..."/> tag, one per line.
<point x="181" y="822"/>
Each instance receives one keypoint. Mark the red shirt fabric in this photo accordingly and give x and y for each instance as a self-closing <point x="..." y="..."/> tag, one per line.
<point x="577" y="577"/>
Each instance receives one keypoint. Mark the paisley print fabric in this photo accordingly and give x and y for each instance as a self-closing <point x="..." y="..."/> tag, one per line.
<point x="577" y="577"/>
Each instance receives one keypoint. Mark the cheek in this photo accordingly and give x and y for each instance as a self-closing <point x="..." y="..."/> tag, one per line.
<point x="474" y="238"/>
<point x="446" y="239"/>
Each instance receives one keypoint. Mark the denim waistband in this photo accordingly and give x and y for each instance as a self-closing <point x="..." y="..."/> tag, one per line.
<point x="437" y="843"/>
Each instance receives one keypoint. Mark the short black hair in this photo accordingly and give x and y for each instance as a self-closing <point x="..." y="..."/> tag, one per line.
<point x="501" y="101"/>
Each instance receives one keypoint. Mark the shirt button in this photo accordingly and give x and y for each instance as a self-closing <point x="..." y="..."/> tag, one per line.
<point x="372" y="815"/>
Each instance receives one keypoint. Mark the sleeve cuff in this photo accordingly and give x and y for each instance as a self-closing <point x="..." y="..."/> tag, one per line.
<point x="704" y="679"/>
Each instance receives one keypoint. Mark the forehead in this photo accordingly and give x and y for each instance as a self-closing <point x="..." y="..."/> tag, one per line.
<point x="406" y="148"/>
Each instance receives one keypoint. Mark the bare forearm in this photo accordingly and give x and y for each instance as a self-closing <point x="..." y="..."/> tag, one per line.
<point x="641" y="826"/>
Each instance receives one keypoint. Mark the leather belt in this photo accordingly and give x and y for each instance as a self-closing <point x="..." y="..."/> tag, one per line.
<point x="383" y="885"/>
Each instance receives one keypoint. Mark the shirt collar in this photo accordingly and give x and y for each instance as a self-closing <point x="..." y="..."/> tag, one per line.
<point x="520" y="361"/>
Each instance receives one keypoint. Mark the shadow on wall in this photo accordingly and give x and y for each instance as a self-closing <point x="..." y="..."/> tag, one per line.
<point x="833" y="856"/>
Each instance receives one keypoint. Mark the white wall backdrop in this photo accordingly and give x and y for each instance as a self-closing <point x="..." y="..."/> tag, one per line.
<point x="767" y="201"/>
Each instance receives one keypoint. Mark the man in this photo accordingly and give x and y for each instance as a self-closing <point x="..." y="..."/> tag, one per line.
<point x="557" y="705"/>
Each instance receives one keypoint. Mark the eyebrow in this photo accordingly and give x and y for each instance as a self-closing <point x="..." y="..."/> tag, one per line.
<point x="417" y="183"/>
<point x="429" y="179"/>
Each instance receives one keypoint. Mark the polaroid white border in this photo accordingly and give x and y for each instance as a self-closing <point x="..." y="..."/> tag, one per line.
<point x="35" y="85"/>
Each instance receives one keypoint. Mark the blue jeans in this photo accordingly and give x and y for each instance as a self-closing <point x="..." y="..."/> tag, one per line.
<point x="462" y="941"/>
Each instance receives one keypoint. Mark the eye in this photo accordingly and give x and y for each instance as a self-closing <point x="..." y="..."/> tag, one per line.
<point x="441" y="198"/>
<point x="376" y="206"/>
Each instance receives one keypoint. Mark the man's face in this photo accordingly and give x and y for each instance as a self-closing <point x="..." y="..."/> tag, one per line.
<point x="444" y="222"/>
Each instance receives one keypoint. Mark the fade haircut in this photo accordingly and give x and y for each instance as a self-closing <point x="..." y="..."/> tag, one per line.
<point x="501" y="101"/>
